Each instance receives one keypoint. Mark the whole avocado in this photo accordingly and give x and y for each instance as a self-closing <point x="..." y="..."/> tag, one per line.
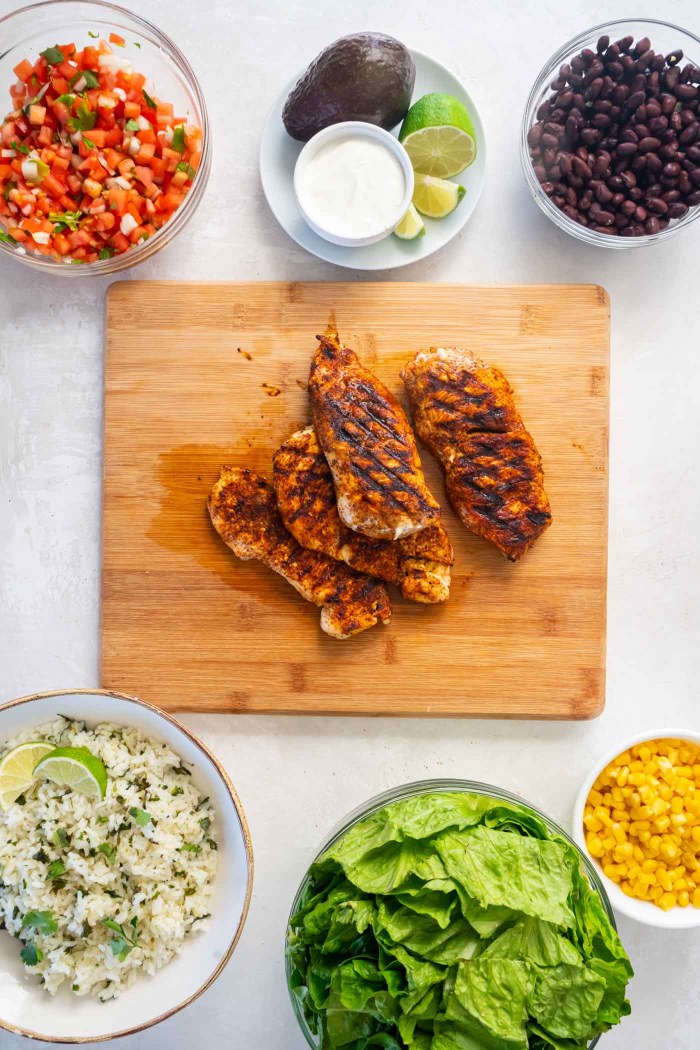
<point x="365" y="76"/>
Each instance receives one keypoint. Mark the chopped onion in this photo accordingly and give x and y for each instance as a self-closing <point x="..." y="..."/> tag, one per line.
<point x="128" y="224"/>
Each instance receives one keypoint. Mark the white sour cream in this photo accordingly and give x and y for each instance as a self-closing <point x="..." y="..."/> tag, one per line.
<point x="352" y="187"/>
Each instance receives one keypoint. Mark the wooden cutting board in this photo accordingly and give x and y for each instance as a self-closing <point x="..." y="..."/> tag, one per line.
<point x="198" y="375"/>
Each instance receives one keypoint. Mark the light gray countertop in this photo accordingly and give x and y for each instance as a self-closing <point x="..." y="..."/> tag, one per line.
<point x="298" y="777"/>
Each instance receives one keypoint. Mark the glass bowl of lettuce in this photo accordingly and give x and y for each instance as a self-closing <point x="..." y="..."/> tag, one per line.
<point x="451" y="915"/>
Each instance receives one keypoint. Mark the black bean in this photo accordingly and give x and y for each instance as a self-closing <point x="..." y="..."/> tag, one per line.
<point x="626" y="149"/>
<point x="688" y="136"/>
<point x="652" y="226"/>
<point x="686" y="92"/>
<point x="693" y="198"/>
<point x="674" y="57"/>
<point x="635" y="99"/>
<point x="672" y="169"/>
<point x="648" y="144"/>
<point x="657" y="205"/>
<point x="641" y="46"/>
<point x="677" y="210"/>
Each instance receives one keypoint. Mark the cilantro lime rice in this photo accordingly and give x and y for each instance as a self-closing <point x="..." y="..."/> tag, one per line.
<point x="99" y="891"/>
<point x="454" y="921"/>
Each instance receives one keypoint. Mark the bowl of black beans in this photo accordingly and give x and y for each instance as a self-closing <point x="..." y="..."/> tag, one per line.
<point x="610" y="140"/>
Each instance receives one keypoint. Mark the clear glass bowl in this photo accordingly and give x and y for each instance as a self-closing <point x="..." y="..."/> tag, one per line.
<point x="665" y="38"/>
<point x="429" y="787"/>
<point x="26" y="32"/>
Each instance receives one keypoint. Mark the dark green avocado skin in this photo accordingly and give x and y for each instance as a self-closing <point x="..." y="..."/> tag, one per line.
<point x="365" y="76"/>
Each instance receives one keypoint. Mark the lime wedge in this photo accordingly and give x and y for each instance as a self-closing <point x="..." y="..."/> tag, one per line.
<point x="17" y="769"/>
<point x="411" y="226"/>
<point x="76" y="768"/>
<point x="438" y="136"/>
<point x="436" y="198"/>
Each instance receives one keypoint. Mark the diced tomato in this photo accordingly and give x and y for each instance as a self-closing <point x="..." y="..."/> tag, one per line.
<point x="23" y="70"/>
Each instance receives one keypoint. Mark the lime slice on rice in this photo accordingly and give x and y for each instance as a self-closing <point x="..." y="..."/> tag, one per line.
<point x="436" y="198"/>
<point x="17" y="769"/>
<point x="438" y="136"/>
<point x="76" y="768"/>
<point x="411" y="226"/>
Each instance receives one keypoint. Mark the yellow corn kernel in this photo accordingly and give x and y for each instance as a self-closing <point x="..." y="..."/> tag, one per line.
<point x="655" y="892"/>
<point x="683" y="899"/>
<point x="662" y="823"/>
<point x="611" y="871"/>
<point x="668" y="851"/>
<point x="618" y="833"/>
<point x="628" y="889"/>
<point x="595" y="797"/>
<point x="678" y="819"/>
<point x="696" y="897"/>
<point x="622" y="776"/>
<point x="676" y="804"/>
<point x="664" y="878"/>
<point x="659" y="807"/>
<point x="595" y="846"/>
<point x="680" y="884"/>
<point x="667" y="901"/>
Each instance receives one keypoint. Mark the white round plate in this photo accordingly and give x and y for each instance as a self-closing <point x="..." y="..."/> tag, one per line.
<point x="641" y="911"/>
<point x="279" y="152"/>
<point x="25" y="1008"/>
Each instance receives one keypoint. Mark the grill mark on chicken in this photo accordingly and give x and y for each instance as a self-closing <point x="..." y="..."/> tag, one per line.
<point x="465" y="414"/>
<point x="418" y="564"/>
<point x="244" y="512"/>
<point x="369" y="446"/>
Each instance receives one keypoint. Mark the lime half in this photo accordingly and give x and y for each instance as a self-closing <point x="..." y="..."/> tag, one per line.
<point x="411" y="226"/>
<point x="17" y="769"/>
<point x="438" y="136"/>
<point x="436" y="198"/>
<point x="76" y="768"/>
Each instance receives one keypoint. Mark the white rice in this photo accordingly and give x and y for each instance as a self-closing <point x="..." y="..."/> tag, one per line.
<point x="144" y="873"/>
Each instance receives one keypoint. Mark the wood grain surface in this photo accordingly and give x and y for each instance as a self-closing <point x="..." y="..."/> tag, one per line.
<point x="198" y="375"/>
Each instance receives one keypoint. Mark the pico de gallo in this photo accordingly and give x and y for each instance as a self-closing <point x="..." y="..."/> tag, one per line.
<point x="91" y="164"/>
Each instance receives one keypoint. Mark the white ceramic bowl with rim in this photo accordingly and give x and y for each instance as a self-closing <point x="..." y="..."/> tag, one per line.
<point x="643" y="911"/>
<point x="25" y="1008"/>
<point x="356" y="129"/>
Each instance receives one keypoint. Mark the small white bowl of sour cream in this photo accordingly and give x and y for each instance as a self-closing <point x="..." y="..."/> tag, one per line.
<point x="353" y="183"/>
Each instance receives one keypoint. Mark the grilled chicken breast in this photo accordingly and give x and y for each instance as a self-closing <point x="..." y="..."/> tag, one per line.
<point x="369" y="445"/>
<point x="464" y="412"/>
<point x="244" y="512"/>
<point x="418" y="564"/>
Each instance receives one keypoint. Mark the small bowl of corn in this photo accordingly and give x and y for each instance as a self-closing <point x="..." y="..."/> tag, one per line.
<point x="637" y="816"/>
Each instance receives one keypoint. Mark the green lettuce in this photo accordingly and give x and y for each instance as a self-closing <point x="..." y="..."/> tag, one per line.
<point x="454" y="921"/>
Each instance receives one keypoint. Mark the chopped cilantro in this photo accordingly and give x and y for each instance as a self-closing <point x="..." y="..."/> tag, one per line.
<point x="106" y="253"/>
<point x="37" y="98"/>
<point x="149" y="101"/>
<point x="136" y="44"/>
<point x="132" y="125"/>
<point x="75" y="987"/>
<point x="89" y="143"/>
<point x="140" y="816"/>
<point x="190" y="847"/>
<point x="66" y="220"/>
<point x="41" y="921"/>
<point x="93" y="36"/>
<point x="30" y="954"/>
<point x="53" y="55"/>
<point x="177" y="790"/>
<point x="56" y="869"/>
<point x="205" y="823"/>
<point x="110" y="852"/>
<point x="65" y="100"/>
<point x="124" y="942"/>
<point x="178" y="142"/>
<point x="92" y="81"/>
<point x="19" y="147"/>
<point x="60" y="837"/>
<point x="6" y="239"/>
<point x="84" y="119"/>
<point x="184" y="166"/>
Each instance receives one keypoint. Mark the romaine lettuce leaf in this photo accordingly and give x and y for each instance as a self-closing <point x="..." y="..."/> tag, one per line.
<point x="498" y="867"/>
<point x="565" y="1000"/>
